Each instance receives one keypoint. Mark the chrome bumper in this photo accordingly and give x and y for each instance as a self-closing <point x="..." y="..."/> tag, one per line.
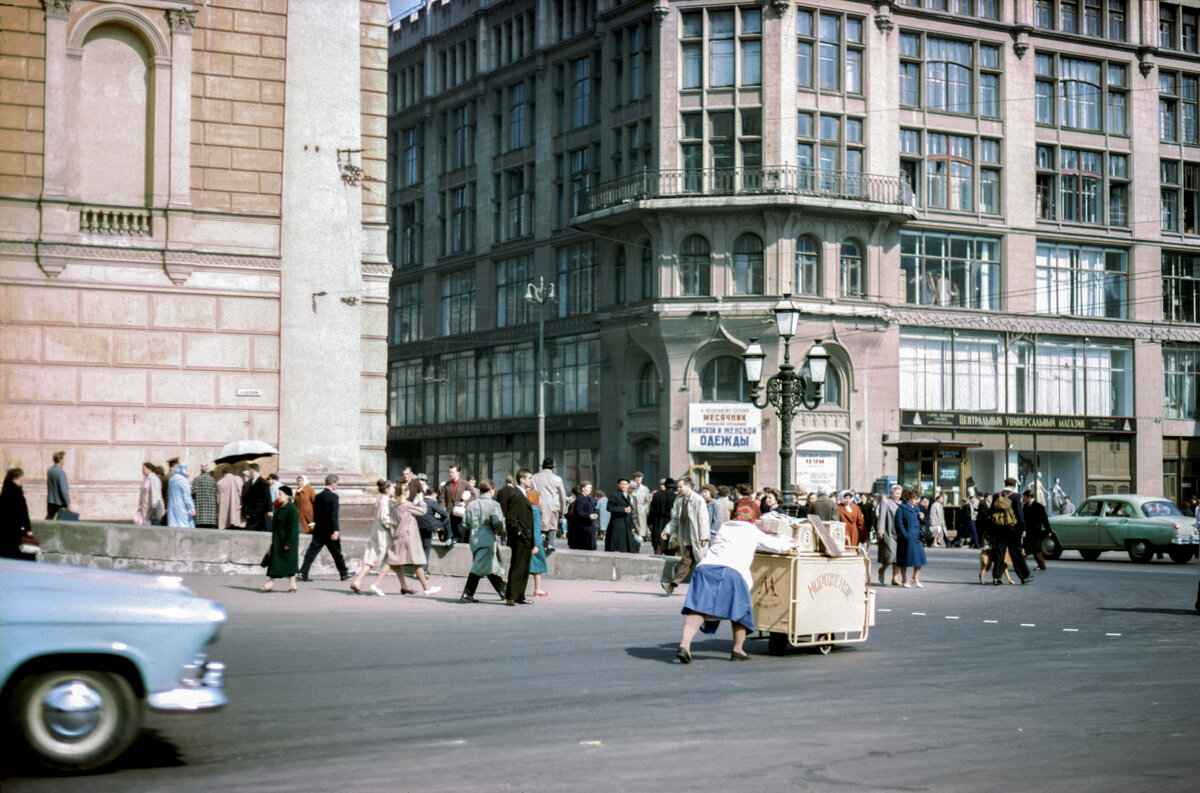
<point x="201" y="688"/>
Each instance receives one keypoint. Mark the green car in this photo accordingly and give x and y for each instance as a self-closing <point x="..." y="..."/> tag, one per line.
<point x="1139" y="525"/>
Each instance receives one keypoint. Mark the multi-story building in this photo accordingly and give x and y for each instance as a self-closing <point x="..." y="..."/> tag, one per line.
<point x="192" y="249"/>
<point x="986" y="209"/>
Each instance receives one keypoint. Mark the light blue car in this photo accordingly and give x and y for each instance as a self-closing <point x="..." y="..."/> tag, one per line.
<point x="82" y="652"/>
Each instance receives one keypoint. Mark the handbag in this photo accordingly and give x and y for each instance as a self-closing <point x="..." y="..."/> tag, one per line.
<point x="459" y="511"/>
<point x="29" y="544"/>
<point x="926" y="536"/>
<point x="266" y="560"/>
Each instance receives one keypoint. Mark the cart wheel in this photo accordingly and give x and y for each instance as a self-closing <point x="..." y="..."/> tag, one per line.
<point x="777" y="643"/>
<point x="826" y="646"/>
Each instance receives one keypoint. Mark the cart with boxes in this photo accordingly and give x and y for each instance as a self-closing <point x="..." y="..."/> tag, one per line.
<point x="818" y="595"/>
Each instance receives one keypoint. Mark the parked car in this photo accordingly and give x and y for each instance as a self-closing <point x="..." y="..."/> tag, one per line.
<point x="1139" y="525"/>
<point x="83" y="651"/>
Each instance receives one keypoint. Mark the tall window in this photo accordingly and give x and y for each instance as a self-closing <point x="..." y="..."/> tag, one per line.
<point x="518" y="135"/>
<point x="460" y="229"/>
<point x="575" y="361"/>
<point x="512" y="276"/>
<point x="578" y="272"/>
<point x="830" y="153"/>
<point x="1177" y="108"/>
<point x="406" y="313"/>
<point x="958" y="76"/>
<point x="852" y="279"/>
<point x="406" y="393"/>
<point x="1181" y="375"/>
<point x="748" y="265"/>
<point x="730" y="39"/>
<point x="518" y="200"/>
<point x="648" y="385"/>
<point x="723" y="380"/>
<point x="649" y="271"/>
<point x="410" y="172"/>
<point x="808" y="266"/>
<point x="1079" y="94"/>
<point x="513" y="380"/>
<point x="957" y="172"/>
<point x="1081" y="280"/>
<point x="987" y="9"/>
<point x="1091" y="18"/>
<point x="1181" y="286"/>
<point x="695" y="266"/>
<point x="829" y="51"/>
<point x="619" y="276"/>
<point x="964" y="370"/>
<point x="1179" y="188"/>
<point x="585" y="168"/>
<point x="950" y="269"/>
<point x="582" y="93"/>
<point x="1072" y="185"/>
<point x="458" y="302"/>
<point x="462" y="390"/>
<point x="410" y="217"/>
<point x="1177" y="27"/>
<point x="462" y="136"/>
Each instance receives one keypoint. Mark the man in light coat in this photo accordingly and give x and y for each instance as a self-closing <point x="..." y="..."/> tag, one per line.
<point x="552" y="496"/>
<point x="304" y="498"/>
<point x="886" y="533"/>
<point x="484" y="522"/>
<point x="229" y="500"/>
<point x="689" y="525"/>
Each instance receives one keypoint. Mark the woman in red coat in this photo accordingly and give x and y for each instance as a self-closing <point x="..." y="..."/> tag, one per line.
<point x="852" y="516"/>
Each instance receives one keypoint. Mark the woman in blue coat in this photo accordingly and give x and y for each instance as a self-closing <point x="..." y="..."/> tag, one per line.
<point x="910" y="552"/>
<point x="537" y="562"/>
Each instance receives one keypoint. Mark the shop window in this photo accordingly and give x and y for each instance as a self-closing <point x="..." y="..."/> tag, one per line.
<point x="1081" y="280"/>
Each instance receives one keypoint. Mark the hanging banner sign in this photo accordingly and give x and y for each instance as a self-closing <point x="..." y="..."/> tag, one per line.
<point x="724" y="427"/>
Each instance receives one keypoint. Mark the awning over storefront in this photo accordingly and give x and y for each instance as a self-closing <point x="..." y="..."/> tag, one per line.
<point x="938" y="444"/>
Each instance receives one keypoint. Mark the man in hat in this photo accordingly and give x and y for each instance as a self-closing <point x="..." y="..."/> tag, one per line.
<point x="204" y="496"/>
<point x="552" y="498"/>
<point x="659" y="513"/>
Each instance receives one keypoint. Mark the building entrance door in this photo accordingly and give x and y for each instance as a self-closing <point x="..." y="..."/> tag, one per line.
<point x="730" y="473"/>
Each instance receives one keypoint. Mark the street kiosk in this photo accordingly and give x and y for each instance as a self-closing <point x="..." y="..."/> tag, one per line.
<point x="818" y="595"/>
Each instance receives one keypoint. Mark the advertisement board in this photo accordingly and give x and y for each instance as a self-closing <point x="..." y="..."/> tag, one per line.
<point x="724" y="427"/>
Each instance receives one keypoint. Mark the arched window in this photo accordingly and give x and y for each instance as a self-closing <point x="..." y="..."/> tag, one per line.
<point x="114" y="107"/>
<point x="832" y="392"/>
<point x="648" y="272"/>
<point x="808" y="267"/>
<point x="648" y="386"/>
<point x="748" y="265"/>
<point x="851" y="270"/>
<point x="723" y="380"/>
<point x="695" y="266"/>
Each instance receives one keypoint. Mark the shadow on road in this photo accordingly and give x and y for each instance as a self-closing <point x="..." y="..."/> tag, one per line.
<point x="665" y="653"/>
<point x="150" y="750"/>
<point x="1147" y="610"/>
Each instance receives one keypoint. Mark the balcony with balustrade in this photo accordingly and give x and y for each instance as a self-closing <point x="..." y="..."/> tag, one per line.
<point x="784" y="186"/>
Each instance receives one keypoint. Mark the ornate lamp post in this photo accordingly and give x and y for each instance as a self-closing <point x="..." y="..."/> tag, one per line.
<point x="539" y="294"/>
<point x="787" y="390"/>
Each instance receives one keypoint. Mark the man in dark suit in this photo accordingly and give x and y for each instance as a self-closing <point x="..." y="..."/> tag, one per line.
<point x="325" y="532"/>
<point x="659" y="514"/>
<point x="256" y="501"/>
<point x="503" y="493"/>
<point x="518" y="516"/>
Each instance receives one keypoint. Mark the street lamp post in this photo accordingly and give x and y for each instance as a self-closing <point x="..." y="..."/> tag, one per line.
<point x="787" y="390"/>
<point x="539" y="294"/>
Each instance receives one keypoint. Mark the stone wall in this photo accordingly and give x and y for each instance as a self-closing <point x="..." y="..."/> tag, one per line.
<point x="209" y="552"/>
<point x="22" y="84"/>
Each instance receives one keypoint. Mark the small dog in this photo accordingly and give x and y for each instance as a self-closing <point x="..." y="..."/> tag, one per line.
<point x="985" y="564"/>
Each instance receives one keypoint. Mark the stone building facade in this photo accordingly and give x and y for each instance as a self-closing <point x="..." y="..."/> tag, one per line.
<point x="986" y="209"/>
<point x="192" y="237"/>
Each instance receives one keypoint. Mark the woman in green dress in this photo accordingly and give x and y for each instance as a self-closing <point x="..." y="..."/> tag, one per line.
<point x="285" y="543"/>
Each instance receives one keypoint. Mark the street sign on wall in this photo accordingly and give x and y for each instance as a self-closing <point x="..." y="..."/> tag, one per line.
<point x="939" y="419"/>
<point x="724" y="427"/>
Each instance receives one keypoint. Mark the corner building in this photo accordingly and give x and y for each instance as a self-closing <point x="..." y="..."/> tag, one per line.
<point x="193" y="237"/>
<point x="987" y="211"/>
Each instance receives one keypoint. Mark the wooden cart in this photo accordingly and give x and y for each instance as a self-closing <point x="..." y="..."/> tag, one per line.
<point x="812" y="599"/>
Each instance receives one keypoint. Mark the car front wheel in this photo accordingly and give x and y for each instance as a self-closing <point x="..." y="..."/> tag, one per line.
<point x="75" y="720"/>
<point x="1140" y="551"/>
<point x="1050" y="547"/>
<point x="1180" y="554"/>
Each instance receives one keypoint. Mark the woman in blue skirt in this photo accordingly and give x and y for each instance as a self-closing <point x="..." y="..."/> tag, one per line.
<point x="720" y="588"/>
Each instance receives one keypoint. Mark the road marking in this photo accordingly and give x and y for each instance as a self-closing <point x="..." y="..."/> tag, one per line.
<point x="1028" y="625"/>
<point x="918" y="613"/>
<point x="991" y="622"/>
<point x="589" y="743"/>
<point x="1070" y="630"/>
<point x="951" y="618"/>
<point x="883" y="609"/>
<point x="1112" y="634"/>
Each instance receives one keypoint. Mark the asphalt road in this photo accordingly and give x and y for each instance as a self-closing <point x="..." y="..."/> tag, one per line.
<point x="1085" y="680"/>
